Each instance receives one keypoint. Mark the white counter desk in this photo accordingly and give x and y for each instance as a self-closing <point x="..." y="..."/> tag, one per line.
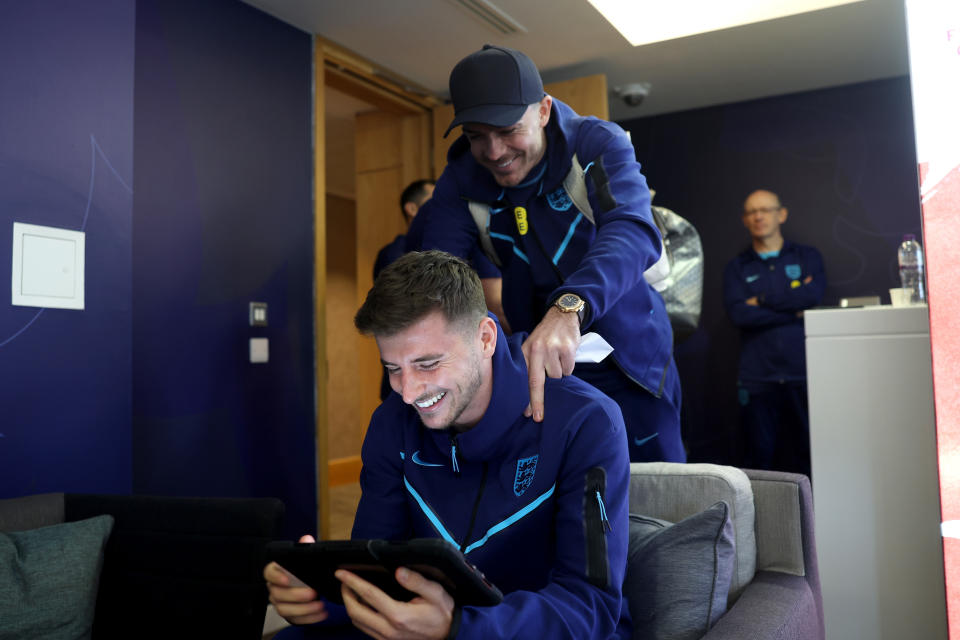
<point x="874" y="466"/>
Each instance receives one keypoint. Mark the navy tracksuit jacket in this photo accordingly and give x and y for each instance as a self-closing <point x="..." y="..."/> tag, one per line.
<point x="546" y="247"/>
<point x="772" y="338"/>
<point x="540" y="508"/>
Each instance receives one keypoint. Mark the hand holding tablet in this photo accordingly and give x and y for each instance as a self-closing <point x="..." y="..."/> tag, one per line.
<point x="376" y="561"/>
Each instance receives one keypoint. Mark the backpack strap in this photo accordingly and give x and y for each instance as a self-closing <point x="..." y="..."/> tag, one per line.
<point x="575" y="185"/>
<point x="481" y="215"/>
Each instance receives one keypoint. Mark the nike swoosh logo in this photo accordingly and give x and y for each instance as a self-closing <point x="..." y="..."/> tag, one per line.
<point x="752" y="278"/>
<point x="640" y="442"/>
<point x="416" y="460"/>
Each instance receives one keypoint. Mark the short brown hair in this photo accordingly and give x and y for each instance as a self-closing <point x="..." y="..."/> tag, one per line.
<point x="414" y="286"/>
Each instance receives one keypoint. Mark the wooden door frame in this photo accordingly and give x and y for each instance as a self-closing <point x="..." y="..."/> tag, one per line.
<point x="349" y="73"/>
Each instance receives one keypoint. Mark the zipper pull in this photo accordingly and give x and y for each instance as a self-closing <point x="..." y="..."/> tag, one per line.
<point x="453" y="455"/>
<point x="604" y="521"/>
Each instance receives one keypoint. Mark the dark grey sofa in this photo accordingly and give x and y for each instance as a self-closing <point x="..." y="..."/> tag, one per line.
<point x="775" y="590"/>
<point x="172" y="567"/>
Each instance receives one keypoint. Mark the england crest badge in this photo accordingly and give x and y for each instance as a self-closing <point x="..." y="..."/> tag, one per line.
<point x="526" y="467"/>
<point x="559" y="200"/>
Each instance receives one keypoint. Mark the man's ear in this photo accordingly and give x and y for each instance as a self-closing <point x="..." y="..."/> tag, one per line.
<point x="487" y="334"/>
<point x="544" y="110"/>
<point x="782" y="215"/>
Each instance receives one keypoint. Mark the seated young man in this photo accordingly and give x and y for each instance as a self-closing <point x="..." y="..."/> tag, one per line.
<point x="539" y="507"/>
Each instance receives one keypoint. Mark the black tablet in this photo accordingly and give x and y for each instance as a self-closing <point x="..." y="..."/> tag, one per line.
<point x="376" y="562"/>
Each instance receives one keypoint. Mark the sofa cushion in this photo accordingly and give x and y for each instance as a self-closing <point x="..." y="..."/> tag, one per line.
<point x="678" y="575"/>
<point x="674" y="491"/>
<point x="49" y="578"/>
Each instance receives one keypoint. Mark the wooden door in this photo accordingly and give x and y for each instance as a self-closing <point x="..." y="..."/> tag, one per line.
<point x="392" y="148"/>
<point x="391" y="152"/>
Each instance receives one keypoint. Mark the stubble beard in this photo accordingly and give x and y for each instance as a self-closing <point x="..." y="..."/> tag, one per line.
<point x="465" y="396"/>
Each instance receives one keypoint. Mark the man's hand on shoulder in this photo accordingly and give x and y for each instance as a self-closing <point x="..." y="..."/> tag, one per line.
<point x="550" y="351"/>
<point x="428" y="616"/>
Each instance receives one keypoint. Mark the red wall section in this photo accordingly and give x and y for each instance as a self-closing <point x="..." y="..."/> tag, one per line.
<point x="934" y="38"/>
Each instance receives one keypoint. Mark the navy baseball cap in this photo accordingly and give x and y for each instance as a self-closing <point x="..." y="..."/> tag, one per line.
<point x="493" y="86"/>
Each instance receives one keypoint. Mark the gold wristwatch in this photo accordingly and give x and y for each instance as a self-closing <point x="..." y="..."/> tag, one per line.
<point x="571" y="303"/>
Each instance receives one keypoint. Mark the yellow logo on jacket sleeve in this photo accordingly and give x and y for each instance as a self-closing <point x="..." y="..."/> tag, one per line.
<point x="521" y="215"/>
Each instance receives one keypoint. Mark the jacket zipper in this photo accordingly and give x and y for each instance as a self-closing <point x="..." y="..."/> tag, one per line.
<point x="596" y="525"/>
<point x="453" y="455"/>
<point x="476" y="508"/>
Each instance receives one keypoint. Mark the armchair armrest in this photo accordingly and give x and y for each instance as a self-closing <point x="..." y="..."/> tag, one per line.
<point x="786" y="539"/>
<point x="774" y="606"/>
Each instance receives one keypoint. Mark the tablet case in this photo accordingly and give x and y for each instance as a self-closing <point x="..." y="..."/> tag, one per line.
<point x="376" y="562"/>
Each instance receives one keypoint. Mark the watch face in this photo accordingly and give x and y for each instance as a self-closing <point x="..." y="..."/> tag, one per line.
<point x="568" y="301"/>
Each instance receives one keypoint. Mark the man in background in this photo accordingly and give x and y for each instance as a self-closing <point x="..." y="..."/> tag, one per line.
<point x="412" y="198"/>
<point x="765" y="291"/>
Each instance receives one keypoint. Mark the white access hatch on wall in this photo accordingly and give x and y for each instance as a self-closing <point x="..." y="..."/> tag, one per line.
<point x="48" y="267"/>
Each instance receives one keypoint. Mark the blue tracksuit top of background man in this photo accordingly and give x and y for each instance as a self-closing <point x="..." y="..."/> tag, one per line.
<point x="772" y="338"/>
<point x="540" y="508"/>
<point x="559" y="250"/>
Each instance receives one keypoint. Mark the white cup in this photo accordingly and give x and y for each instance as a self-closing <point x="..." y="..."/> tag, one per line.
<point x="900" y="297"/>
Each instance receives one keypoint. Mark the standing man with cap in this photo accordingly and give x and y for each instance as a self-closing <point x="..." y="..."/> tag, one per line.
<point x="558" y="202"/>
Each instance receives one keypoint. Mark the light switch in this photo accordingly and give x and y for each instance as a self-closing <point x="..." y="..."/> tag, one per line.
<point x="259" y="350"/>
<point x="48" y="267"/>
<point x="258" y="314"/>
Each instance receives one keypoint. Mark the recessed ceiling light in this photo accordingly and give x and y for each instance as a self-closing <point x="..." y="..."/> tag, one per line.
<point x="646" y="22"/>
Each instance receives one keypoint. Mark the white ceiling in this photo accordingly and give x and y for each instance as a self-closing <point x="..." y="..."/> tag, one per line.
<point x="421" y="40"/>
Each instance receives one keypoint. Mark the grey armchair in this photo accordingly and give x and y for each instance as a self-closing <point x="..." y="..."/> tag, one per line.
<point x="775" y="587"/>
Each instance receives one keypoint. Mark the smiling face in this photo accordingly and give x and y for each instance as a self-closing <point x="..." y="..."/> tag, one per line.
<point x="509" y="153"/>
<point x="443" y="371"/>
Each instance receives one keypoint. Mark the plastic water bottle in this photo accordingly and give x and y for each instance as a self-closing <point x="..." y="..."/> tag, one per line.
<point x="910" y="258"/>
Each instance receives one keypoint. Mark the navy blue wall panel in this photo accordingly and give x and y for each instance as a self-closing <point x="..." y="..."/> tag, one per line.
<point x="843" y="162"/>
<point x="223" y="216"/>
<point x="66" y="160"/>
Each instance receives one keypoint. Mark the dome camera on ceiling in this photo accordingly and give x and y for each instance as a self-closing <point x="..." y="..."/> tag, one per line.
<point x="633" y="94"/>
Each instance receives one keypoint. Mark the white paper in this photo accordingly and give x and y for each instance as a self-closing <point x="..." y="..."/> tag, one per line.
<point x="950" y="529"/>
<point x="592" y="348"/>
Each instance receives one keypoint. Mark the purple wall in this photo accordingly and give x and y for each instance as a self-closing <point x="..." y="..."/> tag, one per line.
<point x="843" y="162"/>
<point x="66" y="160"/>
<point x="149" y="389"/>
<point x="223" y="216"/>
